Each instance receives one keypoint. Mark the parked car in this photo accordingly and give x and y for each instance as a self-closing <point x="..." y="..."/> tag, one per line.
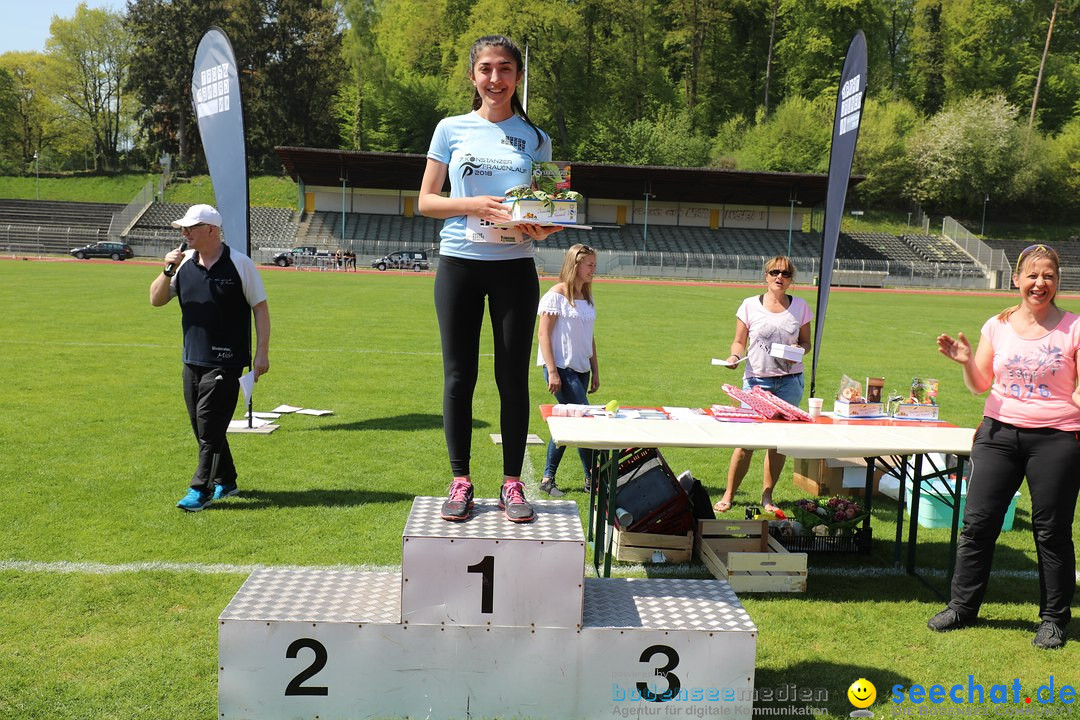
<point x="113" y="250"/>
<point x="402" y="260"/>
<point x="287" y="258"/>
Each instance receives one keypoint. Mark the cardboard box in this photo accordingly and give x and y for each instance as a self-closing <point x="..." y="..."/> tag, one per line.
<point x="834" y="476"/>
<point x="560" y="211"/>
<point x="744" y="554"/>
<point x="649" y="547"/>
<point x="916" y="412"/>
<point x="842" y="408"/>
<point x="934" y="513"/>
<point x="787" y="352"/>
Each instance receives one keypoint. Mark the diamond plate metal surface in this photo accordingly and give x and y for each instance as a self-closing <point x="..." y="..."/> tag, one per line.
<point x="317" y="595"/>
<point x="556" y="520"/>
<point x="664" y="604"/>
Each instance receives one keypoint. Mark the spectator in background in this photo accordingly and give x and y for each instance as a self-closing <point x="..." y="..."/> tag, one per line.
<point x="1027" y="358"/>
<point x="772" y="317"/>
<point x="567" y="351"/>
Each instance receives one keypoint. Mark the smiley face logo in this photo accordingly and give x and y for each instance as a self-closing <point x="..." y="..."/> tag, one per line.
<point x="862" y="693"/>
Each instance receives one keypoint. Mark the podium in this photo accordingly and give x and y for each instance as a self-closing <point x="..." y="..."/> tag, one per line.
<point x="487" y="618"/>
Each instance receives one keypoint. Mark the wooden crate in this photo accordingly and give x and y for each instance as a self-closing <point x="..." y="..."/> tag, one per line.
<point x="639" y="547"/>
<point x="743" y="553"/>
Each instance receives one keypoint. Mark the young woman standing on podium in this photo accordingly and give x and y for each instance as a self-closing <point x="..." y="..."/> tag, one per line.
<point x="772" y="317"/>
<point x="567" y="350"/>
<point x="1027" y="358"/>
<point x="484" y="153"/>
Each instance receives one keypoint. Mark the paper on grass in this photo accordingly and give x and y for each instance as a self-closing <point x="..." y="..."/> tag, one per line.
<point x="309" y="411"/>
<point x="286" y="409"/>
<point x="247" y="384"/>
<point x="243" y="423"/>
<point x="266" y="415"/>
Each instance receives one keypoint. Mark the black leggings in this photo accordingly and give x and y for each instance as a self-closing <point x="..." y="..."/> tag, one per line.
<point x="513" y="292"/>
<point x="1001" y="456"/>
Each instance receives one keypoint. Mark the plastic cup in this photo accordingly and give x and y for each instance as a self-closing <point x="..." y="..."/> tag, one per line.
<point x="815" y="406"/>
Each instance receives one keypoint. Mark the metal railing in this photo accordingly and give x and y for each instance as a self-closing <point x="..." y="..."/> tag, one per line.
<point x="994" y="261"/>
<point x="34" y="241"/>
<point x="123" y="221"/>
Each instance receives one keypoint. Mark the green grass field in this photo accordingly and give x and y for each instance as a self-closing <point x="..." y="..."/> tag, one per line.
<point x="109" y="594"/>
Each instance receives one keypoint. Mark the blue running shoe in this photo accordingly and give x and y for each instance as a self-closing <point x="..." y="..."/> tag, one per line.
<point x="195" y="500"/>
<point x="224" y="490"/>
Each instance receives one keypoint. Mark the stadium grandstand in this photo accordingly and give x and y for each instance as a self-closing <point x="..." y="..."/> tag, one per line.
<point x="646" y="221"/>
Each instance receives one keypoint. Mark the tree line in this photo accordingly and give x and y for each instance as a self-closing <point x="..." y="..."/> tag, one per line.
<point x="967" y="99"/>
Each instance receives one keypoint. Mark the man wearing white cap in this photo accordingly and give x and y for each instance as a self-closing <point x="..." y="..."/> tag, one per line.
<point x="219" y="289"/>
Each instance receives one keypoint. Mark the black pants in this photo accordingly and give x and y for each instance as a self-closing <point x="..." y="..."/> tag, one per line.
<point x="1002" y="455"/>
<point x="211" y="395"/>
<point x="512" y="291"/>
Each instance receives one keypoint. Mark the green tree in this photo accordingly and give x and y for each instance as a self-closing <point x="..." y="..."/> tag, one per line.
<point x="398" y="56"/>
<point x="299" y="82"/>
<point x="667" y="140"/>
<point x="37" y="124"/>
<point x="165" y="34"/>
<point x="1064" y="151"/>
<point x="11" y="157"/>
<point x="815" y="40"/>
<point x="899" y="22"/>
<point x="929" y="57"/>
<point x="966" y="152"/>
<point x="723" y="72"/>
<point x="92" y="52"/>
<point x="881" y="154"/>
<point x="794" y="138"/>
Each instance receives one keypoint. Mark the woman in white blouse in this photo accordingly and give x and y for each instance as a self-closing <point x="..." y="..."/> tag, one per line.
<point x="567" y="348"/>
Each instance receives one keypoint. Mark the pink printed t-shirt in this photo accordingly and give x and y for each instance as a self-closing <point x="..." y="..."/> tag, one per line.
<point x="1034" y="378"/>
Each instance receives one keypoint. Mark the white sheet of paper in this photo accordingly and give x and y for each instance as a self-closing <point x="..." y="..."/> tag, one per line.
<point x="725" y="363"/>
<point x="309" y="411"/>
<point x="266" y="415"/>
<point x="286" y="409"/>
<point x="243" y="423"/>
<point x="247" y="384"/>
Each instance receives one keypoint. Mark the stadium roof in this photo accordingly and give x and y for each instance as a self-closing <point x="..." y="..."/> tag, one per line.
<point x="402" y="171"/>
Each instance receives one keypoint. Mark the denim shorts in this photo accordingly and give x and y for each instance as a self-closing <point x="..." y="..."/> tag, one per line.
<point x="785" y="387"/>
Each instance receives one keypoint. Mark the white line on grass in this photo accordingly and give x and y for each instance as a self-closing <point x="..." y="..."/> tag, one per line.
<point x="621" y="570"/>
<point x="358" y="351"/>
<point x="89" y="568"/>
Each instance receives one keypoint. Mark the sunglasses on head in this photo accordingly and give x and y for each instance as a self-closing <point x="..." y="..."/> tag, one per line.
<point x="585" y="250"/>
<point x="1046" y="250"/>
<point x="774" y="272"/>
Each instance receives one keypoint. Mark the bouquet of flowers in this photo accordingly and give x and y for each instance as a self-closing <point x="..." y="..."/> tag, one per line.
<point x="832" y="516"/>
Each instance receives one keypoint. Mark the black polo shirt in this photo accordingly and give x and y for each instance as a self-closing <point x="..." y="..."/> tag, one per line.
<point x="215" y="313"/>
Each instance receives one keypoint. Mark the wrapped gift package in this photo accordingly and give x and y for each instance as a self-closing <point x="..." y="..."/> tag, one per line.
<point x="856" y="409"/>
<point x="552" y="211"/>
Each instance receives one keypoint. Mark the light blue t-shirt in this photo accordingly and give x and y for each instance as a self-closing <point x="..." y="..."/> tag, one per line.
<point x="485" y="158"/>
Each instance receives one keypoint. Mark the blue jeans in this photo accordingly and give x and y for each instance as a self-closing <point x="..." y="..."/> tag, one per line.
<point x="574" y="390"/>
<point x="785" y="387"/>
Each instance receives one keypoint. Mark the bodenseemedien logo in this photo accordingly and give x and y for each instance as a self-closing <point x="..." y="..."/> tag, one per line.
<point x="862" y="695"/>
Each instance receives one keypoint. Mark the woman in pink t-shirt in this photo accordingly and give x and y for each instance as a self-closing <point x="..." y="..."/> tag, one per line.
<point x="1027" y="358"/>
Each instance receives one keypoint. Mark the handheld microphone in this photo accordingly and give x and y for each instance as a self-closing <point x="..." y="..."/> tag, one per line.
<point x="170" y="268"/>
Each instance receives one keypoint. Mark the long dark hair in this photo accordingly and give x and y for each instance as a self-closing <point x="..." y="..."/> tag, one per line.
<point x="501" y="41"/>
